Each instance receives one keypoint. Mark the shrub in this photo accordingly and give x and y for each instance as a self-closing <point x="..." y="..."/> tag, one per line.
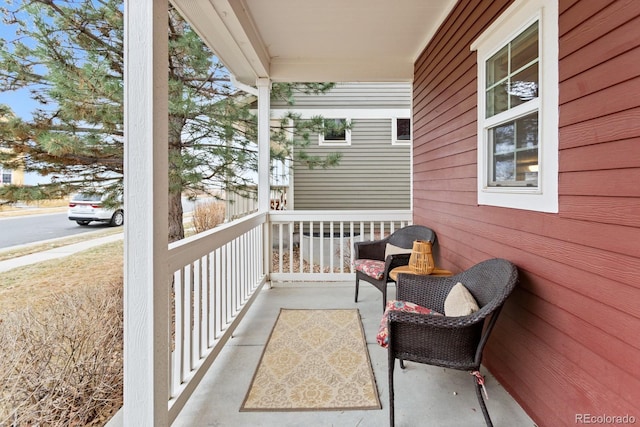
<point x="63" y="363"/>
<point x="208" y="215"/>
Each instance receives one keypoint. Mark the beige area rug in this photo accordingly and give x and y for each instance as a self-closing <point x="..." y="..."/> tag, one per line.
<point x="314" y="360"/>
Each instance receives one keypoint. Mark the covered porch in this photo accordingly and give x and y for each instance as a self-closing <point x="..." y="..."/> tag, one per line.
<point x="435" y="396"/>
<point x="223" y="307"/>
<point x="198" y="312"/>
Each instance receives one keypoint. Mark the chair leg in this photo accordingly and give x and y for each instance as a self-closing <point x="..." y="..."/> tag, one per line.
<point x="357" y="288"/>
<point x="392" y="362"/>
<point x="384" y="297"/>
<point x="483" y="406"/>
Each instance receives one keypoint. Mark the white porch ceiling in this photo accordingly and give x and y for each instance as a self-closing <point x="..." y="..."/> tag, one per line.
<point x="317" y="40"/>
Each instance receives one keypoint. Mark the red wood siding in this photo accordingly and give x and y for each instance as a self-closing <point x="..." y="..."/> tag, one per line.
<point x="568" y="341"/>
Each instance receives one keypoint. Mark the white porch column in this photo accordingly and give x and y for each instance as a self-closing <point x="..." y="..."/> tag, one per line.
<point x="264" y="143"/>
<point x="264" y="163"/>
<point x="146" y="290"/>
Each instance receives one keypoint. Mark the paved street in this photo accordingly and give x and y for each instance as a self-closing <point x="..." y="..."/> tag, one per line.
<point x="33" y="228"/>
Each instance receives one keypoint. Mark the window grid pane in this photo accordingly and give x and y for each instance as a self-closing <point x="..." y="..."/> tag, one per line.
<point x="512" y="73"/>
<point x="514" y="153"/>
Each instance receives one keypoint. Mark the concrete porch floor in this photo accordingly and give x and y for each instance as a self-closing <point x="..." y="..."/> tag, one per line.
<point x="424" y="395"/>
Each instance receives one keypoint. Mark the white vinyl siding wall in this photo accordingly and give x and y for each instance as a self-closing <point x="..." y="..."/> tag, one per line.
<point x="354" y="95"/>
<point x="372" y="174"/>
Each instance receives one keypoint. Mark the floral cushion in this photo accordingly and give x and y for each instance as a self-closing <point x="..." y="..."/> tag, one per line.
<point x="393" y="305"/>
<point x="370" y="267"/>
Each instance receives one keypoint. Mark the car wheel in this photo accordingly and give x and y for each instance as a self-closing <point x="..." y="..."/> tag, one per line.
<point x="83" y="222"/>
<point x="117" y="219"/>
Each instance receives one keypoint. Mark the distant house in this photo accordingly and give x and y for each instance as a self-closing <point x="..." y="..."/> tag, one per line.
<point x="375" y="168"/>
<point x="10" y="176"/>
<point x="374" y="171"/>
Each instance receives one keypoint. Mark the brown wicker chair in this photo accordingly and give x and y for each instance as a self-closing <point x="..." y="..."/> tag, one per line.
<point x="450" y="342"/>
<point x="375" y="250"/>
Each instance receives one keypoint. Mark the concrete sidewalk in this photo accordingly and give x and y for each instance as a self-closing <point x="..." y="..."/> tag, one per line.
<point x="57" y="252"/>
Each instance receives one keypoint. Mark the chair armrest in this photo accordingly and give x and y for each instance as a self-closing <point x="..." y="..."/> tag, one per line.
<point x="396" y="260"/>
<point x="400" y="259"/>
<point x="434" y="321"/>
<point x="370" y="250"/>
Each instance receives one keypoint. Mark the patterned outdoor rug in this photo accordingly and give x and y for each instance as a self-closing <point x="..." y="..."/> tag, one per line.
<point x="314" y="360"/>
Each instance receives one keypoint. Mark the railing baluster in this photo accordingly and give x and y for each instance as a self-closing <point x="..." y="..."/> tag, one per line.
<point x="211" y="283"/>
<point x="234" y="277"/>
<point x="311" y="240"/>
<point x="187" y="319"/>
<point x="351" y="242"/>
<point x="331" y="246"/>
<point x="244" y="282"/>
<point x="301" y="246"/>
<point x="204" y="337"/>
<point x="240" y="272"/>
<point x="197" y="294"/>
<point x="291" y="246"/>
<point x="341" y="250"/>
<point x="321" y="245"/>
<point x="280" y="251"/>
<point x="223" y="287"/>
<point x="219" y="291"/>
<point x="178" y="351"/>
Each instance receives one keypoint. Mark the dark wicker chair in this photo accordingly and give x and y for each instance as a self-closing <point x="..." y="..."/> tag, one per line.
<point x="375" y="250"/>
<point x="450" y="342"/>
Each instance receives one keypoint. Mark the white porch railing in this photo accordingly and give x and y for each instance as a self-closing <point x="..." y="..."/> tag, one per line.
<point x="215" y="277"/>
<point x="318" y="245"/>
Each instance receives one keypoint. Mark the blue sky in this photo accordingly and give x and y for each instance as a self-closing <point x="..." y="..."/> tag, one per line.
<point x="19" y="101"/>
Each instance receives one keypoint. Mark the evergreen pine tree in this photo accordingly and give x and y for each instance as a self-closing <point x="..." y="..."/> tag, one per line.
<point x="69" y="56"/>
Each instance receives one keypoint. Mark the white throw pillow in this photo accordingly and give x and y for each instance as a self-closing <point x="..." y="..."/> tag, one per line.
<point x="395" y="250"/>
<point x="460" y="302"/>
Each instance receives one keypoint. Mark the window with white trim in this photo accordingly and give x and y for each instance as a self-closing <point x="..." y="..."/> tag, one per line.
<point x="5" y="176"/>
<point x="518" y="108"/>
<point x="336" y="132"/>
<point x="401" y="131"/>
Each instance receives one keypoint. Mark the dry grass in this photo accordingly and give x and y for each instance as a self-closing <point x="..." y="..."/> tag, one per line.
<point x="30" y="285"/>
<point x="62" y="363"/>
<point x="208" y="215"/>
<point x="61" y="340"/>
<point x="35" y="207"/>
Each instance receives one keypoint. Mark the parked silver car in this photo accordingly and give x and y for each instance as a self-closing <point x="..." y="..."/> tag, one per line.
<point x="85" y="208"/>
